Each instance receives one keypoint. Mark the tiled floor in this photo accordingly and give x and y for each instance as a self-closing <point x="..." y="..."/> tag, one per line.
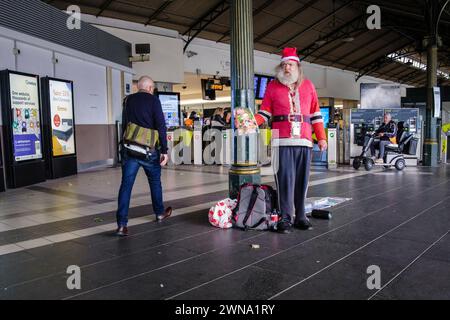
<point x="398" y="221"/>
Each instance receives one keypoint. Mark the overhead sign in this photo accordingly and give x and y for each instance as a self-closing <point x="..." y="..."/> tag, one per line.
<point x="61" y="111"/>
<point x="26" y="124"/>
<point x="215" y="86"/>
<point x="437" y="102"/>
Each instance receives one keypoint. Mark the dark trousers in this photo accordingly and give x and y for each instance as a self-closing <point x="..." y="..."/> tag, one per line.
<point x="130" y="168"/>
<point x="379" y="144"/>
<point x="292" y="179"/>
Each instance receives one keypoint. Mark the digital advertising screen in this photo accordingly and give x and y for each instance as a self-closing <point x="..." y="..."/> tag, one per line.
<point x="380" y="96"/>
<point x="62" y="122"/>
<point x="261" y="82"/>
<point x="26" y="124"/>
<point x="170" y="103"/>
<point x="255" y="85"/>
<point x="325" y="111"/>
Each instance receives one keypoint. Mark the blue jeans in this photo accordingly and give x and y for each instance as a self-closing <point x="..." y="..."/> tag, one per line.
<point x="130" y="168"/>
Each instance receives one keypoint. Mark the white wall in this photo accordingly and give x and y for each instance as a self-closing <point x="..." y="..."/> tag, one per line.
<point x="87" y="72"/>
<point x="89" y="82"/>
<point x="166" y="55"/>
<point x="34" y="60"/>
<point x="7" y="60"/>
<point x="116" y="96"/>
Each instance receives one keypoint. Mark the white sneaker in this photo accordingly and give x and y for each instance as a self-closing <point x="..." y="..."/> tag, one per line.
<point x="379" y="161"/>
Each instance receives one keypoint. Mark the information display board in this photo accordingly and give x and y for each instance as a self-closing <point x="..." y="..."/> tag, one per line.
<point x="26" y="123"/>
<point x="170" y="103"/>
<point x="62" y="117"/>
<point x="260" y="83"/>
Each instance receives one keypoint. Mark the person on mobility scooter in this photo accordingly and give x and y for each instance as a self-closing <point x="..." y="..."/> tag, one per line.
<point x="390" y="153"/>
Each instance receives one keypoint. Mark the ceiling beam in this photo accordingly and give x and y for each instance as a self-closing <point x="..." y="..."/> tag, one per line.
<point x="375" y="51"/>
<point x="158" y="11"/>
<point x="336" y="46"/>
<point x="381" y="61"/>
<point x="401" y="73"/>
<point x="315" y="24"/>
<point x="200" y="25"/>
<point x="255" y="12"/>
<point x="398" y="11"/>
<point x="103" y="7"/>
<point x="348" y="27"/>
<point x="396" y="67"/>
<point x="412" y="75"/>
<point x="286" y="19"/>
<point x="365" y="44"/>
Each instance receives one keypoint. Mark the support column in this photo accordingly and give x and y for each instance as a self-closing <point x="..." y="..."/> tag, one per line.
<point x="244" y="168"/>
<point x="431" y="148"/>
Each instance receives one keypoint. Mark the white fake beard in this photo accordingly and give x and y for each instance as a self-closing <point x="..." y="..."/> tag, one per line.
<point x="287" y="79"/>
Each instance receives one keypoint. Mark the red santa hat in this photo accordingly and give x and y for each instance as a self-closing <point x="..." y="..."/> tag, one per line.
<point x="290" y="54"/>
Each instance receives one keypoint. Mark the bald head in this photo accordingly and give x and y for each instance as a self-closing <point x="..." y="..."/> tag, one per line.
<point x="146" y="84"/>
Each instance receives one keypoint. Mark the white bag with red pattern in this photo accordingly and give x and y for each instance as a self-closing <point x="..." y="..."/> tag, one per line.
<point x="221" y="213"/>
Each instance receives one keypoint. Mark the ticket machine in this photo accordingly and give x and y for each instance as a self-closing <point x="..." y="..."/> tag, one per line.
<point x="362" y="121"/>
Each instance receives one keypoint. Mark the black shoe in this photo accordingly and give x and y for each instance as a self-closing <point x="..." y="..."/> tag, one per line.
<point x="303" y="225"/>
<point x="284" y="227"/>
<point x="165" y="215"/>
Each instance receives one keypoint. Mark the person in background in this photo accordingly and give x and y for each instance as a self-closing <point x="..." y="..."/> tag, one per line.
<point x="143" y="109"/>
<point x="217" y="121"/>
<point x="387" y="133"/>
<point x="227" y="118"/>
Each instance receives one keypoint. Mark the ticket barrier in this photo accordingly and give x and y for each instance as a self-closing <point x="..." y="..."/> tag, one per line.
<point x="332" y="150"/>
<point x="179" y="146"/>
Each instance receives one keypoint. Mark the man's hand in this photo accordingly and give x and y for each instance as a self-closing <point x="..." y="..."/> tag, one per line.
<point x="381" y="134"/>
<point x="164" y="159"/>
<point x="322" y="145"/>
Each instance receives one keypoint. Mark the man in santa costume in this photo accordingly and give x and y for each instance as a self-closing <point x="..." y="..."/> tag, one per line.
<point x="292" y="104"/>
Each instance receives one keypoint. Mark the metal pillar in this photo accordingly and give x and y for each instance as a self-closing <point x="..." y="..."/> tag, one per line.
<point x="244" y="168"/>
<point x="431" y="148"/>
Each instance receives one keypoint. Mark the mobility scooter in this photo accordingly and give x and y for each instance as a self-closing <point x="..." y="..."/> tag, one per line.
<point x="393" y="155"/>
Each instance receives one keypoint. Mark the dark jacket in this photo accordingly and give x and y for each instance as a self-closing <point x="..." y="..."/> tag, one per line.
<point x="145" y="110"/>
<point x="217" y="122"/>
<point x="389" y="130"/>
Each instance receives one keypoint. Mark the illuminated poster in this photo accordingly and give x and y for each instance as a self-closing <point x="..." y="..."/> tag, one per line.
<point x="26" y="123"/>
<point x="61" y="111"/>
<point x="170" y="104"/>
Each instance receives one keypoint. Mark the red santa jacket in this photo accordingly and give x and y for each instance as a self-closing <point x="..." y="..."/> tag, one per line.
<point x="278" y="102"/>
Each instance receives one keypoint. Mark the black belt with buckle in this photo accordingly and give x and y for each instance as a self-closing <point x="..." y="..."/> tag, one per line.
<point x="292" y="118"/>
